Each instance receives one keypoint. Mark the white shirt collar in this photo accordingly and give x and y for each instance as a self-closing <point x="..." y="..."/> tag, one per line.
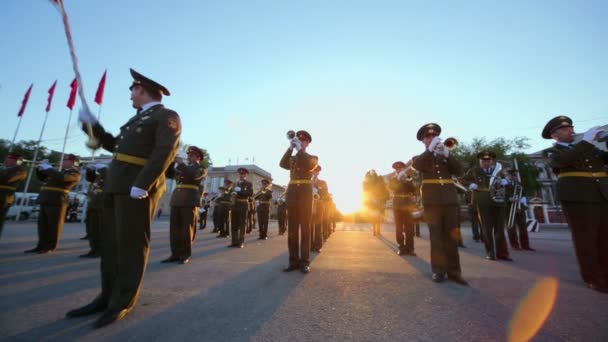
<point x="148" y="105"/>
<point x="562" y="143"/>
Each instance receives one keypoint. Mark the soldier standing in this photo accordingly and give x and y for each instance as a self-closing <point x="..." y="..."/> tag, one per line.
<point x="184" y="204"/>
<point x="282" y="214"/>
<point x="205" y="205"/>
<point x="243" y="190"/>
<point x="320" y="196"/>
<point x="299" y="201"/>
<point x="10" y="175"/>
<point x="582" y="188"/>
<point x="142" y="152"/>
<point x="95" y="175"/>
<point x="440" y="202"/>
<point x="54" y="199"/>
<point x="264" y="197"/>
<point x="491" y="208"/>
<point x="223" y="205"/>
<point x="404" y="200"/>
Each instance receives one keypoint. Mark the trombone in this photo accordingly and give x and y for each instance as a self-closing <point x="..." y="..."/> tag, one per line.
<point x="515" y="204"/>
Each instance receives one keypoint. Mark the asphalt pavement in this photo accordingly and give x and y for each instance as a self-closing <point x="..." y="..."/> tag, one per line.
<point x="358" y="289"/>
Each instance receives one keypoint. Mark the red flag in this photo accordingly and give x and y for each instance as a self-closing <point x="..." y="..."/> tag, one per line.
<point x="72" y="99"/>
<point x="50" y="99"/>
<point x="25" y="99"/>
<point x="100" y="89"/>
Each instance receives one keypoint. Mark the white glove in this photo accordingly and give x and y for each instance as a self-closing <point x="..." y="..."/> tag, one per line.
<point x="85" y="116"/>
<point x="433" y="145"/>
<point x="315" y="190"/>
<point x="202" y="210"/>
<point x="237" y="188"/>
<point x="504" y="182"/>
<point x="295" y="144"/>
<point x="100" y="166"/>
<point x="138" y="193"/>
<point x="591" y="134"/>
<point x="445" y="152"/>
<point x="473" y="186"/>
<point x="44" y="166"/>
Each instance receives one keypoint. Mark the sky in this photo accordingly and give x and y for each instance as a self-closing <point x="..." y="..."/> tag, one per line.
<point x="361" y="76"/>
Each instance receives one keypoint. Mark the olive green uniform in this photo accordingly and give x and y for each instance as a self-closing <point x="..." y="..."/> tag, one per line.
<point x="9" y="180"/>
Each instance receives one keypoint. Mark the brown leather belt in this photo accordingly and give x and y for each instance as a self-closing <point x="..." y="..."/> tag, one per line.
<point x="130" y="159"/>
<point x="600" y="174"/>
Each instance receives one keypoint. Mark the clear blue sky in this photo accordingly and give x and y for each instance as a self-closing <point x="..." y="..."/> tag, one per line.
<point x="360" y="76"/>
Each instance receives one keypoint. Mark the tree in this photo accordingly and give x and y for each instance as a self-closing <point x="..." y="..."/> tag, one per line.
<point x="506" y="152"/>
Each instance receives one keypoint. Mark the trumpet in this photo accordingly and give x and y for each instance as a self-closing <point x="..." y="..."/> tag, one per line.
<point x="291" y="136"/>
<point x="450" y="143"/>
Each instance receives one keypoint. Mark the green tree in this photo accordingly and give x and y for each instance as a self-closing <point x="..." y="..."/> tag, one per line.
<point x="506" y="152"/>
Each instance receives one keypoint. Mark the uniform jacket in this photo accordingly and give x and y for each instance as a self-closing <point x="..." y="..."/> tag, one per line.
<point x="9" y="180"/>
<point x="54" y="180"/>
<point x="224" y="199"/>
<point x="264" y="197"/>
<point x="96" y="179"/>
<point x="438" y="167"/>
<point x="153" y="135"/>
<point x="404" y="193"/>
<point x="583" y="157"/>
<point x="187" y="175"/>
<point x="245" y="193"/>
<point x="481" y="196"/>
<point x="300" y="165"/>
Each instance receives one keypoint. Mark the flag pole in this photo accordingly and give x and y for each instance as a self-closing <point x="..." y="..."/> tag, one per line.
<point x="16" y="130"/>
<point x="32" y="167"/>
<point x="65" y="139"/>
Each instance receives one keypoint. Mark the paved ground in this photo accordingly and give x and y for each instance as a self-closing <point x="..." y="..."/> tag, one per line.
<point x="358" y="290"/>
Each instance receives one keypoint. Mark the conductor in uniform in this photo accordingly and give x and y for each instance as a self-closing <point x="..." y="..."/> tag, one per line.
<point x="437" y="167"/>
<point x="582" y="189"/>
<point x="243" y="190"/>
<point x="299" y="201"/>
<point x="184" y="204"/>
<point x="142" y="152"/>
<point x="54" y="199"/>
<point x="11" y="174"/>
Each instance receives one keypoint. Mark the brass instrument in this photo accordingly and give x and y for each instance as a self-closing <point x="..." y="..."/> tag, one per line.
<point x="515" y="204"/>
<point x="497" y="192"/>
<point x="459" y="185"/>
<point x="260" y="192"/>
<point x="450" y="143"/>
<point x="291" y="136"/>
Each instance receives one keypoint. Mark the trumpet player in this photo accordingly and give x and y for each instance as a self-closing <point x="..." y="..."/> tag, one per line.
<point x="488" y="188"/>
<point x="437" y="167"/>
<point x="264" y="197"/>
<point x="320" y="197"/>
<point x="243" y="191"/>
<point x="142" y="152"/>
<point x="54" y="200"/>
<point x="95" y="175"/>
<point x="299" y="200"/>
<point x="582" y="188"/>
<point x="516" y="223"/>
<point x="185" y="202"/>
<point x="11" y="174"/>
<point x="402" y="186"/>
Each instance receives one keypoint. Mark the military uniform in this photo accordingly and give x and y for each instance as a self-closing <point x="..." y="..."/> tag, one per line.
<point x="250" y="215"/>
<point x="264" y="198"/>
<point x="142" y="152"/>
<point x="223" y="206"/>
<point x="404" y="200"/>
<point x="319" y="212"/>
<point x="582" y="189"/>
<point x="299" y="204"/>
<point x="518" y="234"/>
<point x="239" y="210"/>
<point x="94" y="224"/>
<point x="491" y="211"/>
<point x="9" y="181"/>
<point x="440" y="202"/>
<point x="205" y="205"/>
<point x="473" y="216"/>
<point x="184" y="208"/>
<point x="53" y="200"/>
<point x="282" y="215"/>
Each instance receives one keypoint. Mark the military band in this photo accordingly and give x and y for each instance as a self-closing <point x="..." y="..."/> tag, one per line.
<point x="11" y="175"/>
